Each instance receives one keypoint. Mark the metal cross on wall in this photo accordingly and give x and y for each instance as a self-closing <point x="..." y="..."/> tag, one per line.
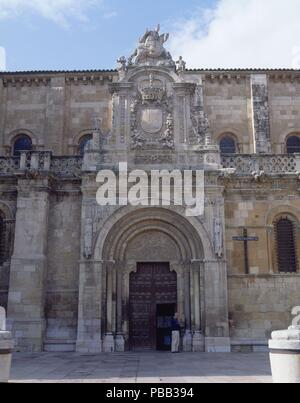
<point x="245" y="238"/>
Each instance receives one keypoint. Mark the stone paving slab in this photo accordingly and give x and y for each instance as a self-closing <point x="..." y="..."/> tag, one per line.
<point x="141" y="368"/>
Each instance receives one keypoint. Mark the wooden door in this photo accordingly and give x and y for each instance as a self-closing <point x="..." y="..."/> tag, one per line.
<point x="152" y="285"/>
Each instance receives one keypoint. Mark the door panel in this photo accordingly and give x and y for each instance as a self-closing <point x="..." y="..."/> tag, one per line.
<point x="153" y="284"/>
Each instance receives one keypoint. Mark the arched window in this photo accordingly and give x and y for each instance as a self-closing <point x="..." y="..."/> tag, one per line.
<point x="228" y="145"/>
<point x="3" y="241"/>
<point x="23" y="143"/>
<point x="286" y="245"/>
<point x="83" y="142"/>
<point x="293" y="145"/>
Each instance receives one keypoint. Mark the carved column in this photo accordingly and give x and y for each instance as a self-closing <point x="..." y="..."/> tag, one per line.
<point x="198" y="338"/>
<point x="187" y="339"/>
<point x="120" y="339"/>
<point x="177" y="267"/>
<point x="109" y="342"/>
<point x="128" y="268"/>
<point x="26" y="300"/>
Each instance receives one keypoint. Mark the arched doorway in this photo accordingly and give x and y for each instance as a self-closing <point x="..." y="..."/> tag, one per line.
<point x="150" y="247"/>
<point x="152" y="304"/>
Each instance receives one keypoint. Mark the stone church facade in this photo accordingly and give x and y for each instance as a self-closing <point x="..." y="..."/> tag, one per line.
<point x="77" y="276"/>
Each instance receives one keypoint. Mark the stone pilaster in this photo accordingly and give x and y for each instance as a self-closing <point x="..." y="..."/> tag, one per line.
<point x="109" y="341"/>
<point x="89" y="307"/>
<point x="91" y="278"/>
<point x="215" y="273"/>
<point x="216" y="307"/>
<point x="55" y="114"/>
<point x="260" y="114"/>
<point x="26" y="298"/>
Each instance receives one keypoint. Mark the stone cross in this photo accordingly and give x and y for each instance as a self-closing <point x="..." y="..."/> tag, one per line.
<point x="245" y="238"/>
<point x="2" y="320"/>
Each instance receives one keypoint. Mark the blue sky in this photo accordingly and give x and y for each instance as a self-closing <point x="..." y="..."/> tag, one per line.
<point x="91" y="34"/>
<point x="35" y="42"/>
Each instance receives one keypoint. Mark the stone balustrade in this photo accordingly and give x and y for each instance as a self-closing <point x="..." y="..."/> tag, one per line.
<point x="71" y="167"/>
<point x="41" y="162"/>
<point x="9" y="165"/>
<point x="66" y="167"/>
<point x="247" y="164"/>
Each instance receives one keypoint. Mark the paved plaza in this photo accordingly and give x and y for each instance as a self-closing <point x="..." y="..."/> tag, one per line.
<point x="141" y="368"/>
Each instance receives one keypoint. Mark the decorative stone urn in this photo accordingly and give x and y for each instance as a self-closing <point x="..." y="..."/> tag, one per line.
<point x="285" y="354"/>
<point x="6" y="347"/>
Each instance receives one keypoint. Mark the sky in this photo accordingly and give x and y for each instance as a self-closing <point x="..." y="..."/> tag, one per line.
<point x="92" y="34"/>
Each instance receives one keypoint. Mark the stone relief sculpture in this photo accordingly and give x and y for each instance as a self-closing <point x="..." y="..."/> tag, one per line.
<point x="261" y="117"/>
<point x="200" y="133"/>
<point x="88" y="239"/>
<point x="151" y="51"/>
<point x="167" y="139"/>
<point x="137" y="141"/>
<point x="218" y="238"/>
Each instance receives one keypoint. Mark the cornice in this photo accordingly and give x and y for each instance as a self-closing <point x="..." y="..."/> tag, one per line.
<point x="44" y="78"/>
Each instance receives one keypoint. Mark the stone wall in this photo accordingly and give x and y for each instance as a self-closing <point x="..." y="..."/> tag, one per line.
<point x="54" y="110"/>
<point x="227" y="102"/>
<point x="61" y="308"/>
<point x="259" y="305"/>
<point x="255" y="206"/>
<point x="284" y="101"/>
<point x="8" y="201"/>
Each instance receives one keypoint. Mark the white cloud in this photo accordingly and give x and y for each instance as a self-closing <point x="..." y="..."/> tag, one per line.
<point x="110" y="15"/>
<point x="59" y="11"/>
<point x="2" y="59"/>
<point x="241" y="34"/>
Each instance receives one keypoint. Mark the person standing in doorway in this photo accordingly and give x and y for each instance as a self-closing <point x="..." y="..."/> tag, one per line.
<point x="175" y="334"/>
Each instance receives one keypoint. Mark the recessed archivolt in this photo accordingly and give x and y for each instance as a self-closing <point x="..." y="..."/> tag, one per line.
<point x="13" y="136"/>
<point x="146" y="227"/>
<point x="282" y="210"/>
<point x="188" y="234"/>
<point x="6" y="210"/>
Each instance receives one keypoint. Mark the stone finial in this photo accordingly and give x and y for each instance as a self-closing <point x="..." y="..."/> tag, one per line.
<point x="181" y="65"/>
<point x="122" y="61"/>
<point x="296" y="320"/>
<point x="2" y="320"/>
